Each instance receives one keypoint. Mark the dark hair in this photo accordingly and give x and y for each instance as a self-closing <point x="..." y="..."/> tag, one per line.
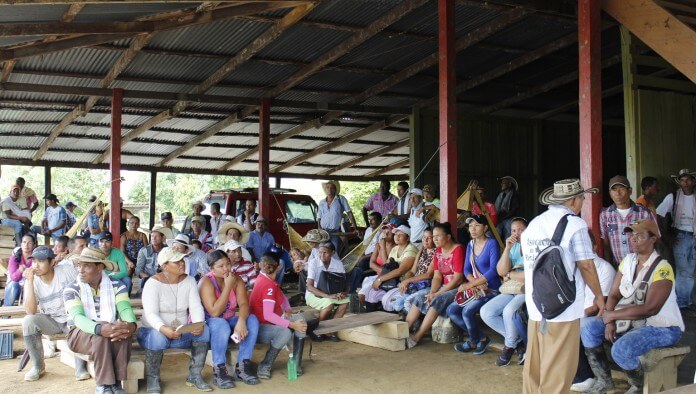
<point x="403" y="184"/>
<point x="63" y="240"/>
<point x="268" y="260"/>
<point x="445" y="227"/>
<point x="520" y="219"/>
<point x="215" y="205"/>
<point x="386" y="181"/>
<point x="134" y="217"/>
<point x="214" y="256"/>
<point x="200" y="244"/>
<point x="18" y="253"/>
<point x="647" y="182"/>
<point x="377" y="215"/>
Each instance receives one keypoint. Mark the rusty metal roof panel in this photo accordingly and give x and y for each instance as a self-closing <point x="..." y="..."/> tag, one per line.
<point x="53" y="80"/>
<point x="304" y="43"/>
<point x="95" y="13"/>
<point x="351" y="12"/>
<point x="152" y="86"/>
<point x="31" y="96"/>
<point x="13" y="41"/>
<point x="78" y="60"/>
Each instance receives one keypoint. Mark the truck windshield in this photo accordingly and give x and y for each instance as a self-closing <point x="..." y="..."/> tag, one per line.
<point x="301" y="211"/>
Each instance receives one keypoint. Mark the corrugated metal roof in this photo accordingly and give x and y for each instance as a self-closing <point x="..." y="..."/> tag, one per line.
<point x="29" y="13"/>
<point x="72" y="157"/>
<point x="7" y="115"/>
<point x="148" y="65"/>
<point x="24" y="142"/>
<point x="304" y="43"/>
<point x="17" y="154"/>
<point x="78" y="60"/>
<point x="383" y="52"/>
<point x="351" y="12"/>
<point x="95" y="13"/>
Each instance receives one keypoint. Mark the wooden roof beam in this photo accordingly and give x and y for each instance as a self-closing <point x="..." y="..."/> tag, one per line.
<point x="391" y="167"/>
<point x="339" y="142"/>
<point x="371" y="155"/>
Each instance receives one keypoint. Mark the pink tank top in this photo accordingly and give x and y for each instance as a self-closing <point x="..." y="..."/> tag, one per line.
<point x="231" y="300"/>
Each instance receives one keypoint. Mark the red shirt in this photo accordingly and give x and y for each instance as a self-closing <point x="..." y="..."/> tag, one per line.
<point x="449" y="265"/>
<point x="266" y="289"/>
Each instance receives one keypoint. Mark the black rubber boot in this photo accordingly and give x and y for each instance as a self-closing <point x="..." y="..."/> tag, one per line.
<point x="297" y="350"/>
<point x="153" y="362"/>
<point x="600" y="367"/>
<point x="635" y="379"/>
<point x="264" y="370"/>
<point x="221" y="378"/>
<point x="199" y="350"/>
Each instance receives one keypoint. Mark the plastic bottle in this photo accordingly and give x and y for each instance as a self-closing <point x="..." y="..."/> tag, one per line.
<point x="292" y="368"/>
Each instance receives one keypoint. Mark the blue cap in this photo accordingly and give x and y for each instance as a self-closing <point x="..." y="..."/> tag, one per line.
<point x="43" y="253"/>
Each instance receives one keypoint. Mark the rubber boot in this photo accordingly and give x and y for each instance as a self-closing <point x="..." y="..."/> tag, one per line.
<point x="153" y="362"/>
<point x="635" y="379"/>
<point x="264" y="370"/>
<point x="36" y="354"/>
<point x="81" y="372"/>
<point x="199" y="350"/>
<point x="297" y="351"/>
<point x="221" y="378"/>
<point x="600" y="367"/>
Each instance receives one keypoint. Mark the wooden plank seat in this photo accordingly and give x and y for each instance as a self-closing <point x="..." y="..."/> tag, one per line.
<point x="352" y="321"/>
<point x="660" y="367"/>
<point x="377" y="329"/>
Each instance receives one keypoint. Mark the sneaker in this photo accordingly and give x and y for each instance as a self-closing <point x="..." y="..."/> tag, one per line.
<point x="464" y="347"/>
<point x="103" y="389"/>
<point x="584" y="386"/>
<point x="505" y="356"/>
<point x="481" y="346"/>
<point x="521" y="353"/>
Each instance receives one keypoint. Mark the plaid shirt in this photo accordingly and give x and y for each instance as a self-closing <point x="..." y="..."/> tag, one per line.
<point x="611" y="227"/>
<point x="378" y="204"/>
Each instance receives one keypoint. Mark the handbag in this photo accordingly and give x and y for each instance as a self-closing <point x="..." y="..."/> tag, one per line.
<point x="637" y="297"/>
<point x="332" y="282"/>
<point x="414" y="287"/>
<point x="462" y="298"/>
<point x="387" y="268"/>
<point x="511" y="286"/>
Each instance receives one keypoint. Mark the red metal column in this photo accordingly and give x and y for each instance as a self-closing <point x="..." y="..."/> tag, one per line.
<point x="589" y="33"/>
<point x="264" y="157"/>
<point x="448" y="112"/>
<point x="115" y="167"/>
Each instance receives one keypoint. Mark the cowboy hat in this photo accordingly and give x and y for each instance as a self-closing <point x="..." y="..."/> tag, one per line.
<point x="563" y="190"/>
<point x="198" y="202"/>
<point x="326" y="184"/>
<point x="180" y="239"/>
<point x="94" y="255"/>
<point x="682" y="172"/>
<point x="166" y="232"/>
<point x="222" y="232"/>
<point x="316" y="235"/>
<point x="169" y="254"/>
<point x="512" y="180"/>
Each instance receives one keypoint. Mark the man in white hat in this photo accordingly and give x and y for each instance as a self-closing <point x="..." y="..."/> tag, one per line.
<point x="331" y="209"/>
<point x="416" y="218"/>
<point x="101" y="318"/>
<point x="552" y="357"/>
<point x="680" y="208"/>
<point x="197" y="207"/>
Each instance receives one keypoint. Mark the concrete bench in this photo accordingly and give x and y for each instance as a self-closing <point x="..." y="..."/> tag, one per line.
<point x="660" y="367"/>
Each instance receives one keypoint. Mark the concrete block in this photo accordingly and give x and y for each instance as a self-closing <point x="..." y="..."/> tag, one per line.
<point x="444" y="331"/>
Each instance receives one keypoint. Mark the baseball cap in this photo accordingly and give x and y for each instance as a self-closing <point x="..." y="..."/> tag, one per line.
<point x="105" y="235"/>
<point x="402" y="229"/>
<point x="619" y="180"/>
<point x="43" y="253"/>
<point x="230" y="246"/>
<point x="477" y="218"/>
<point x="166" y="215"/>
<point x="169" y="254"/>
<point x="70" y="204"/>
<point x="643" y="225"/>
<point x="417" y="192"/>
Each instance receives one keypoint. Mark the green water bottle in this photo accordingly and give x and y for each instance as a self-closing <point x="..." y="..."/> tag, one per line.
<point x="292" y="368"/>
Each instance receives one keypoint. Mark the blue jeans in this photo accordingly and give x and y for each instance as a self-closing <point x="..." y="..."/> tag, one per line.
<point x="151" y="339"/>
<point x="12" y="292"/>
<point x="465" y="317"/>
<point x="630" y="345"/>
<point x="220" y="330"/>
<point x="685" y="260"/>
<point x="128" y="281"/>
<point x="499" y="314"/>
<point x="16" y="227"/>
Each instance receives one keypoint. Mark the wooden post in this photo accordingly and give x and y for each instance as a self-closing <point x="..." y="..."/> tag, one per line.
<point x="264" y="157"/>
<point x="448" y="112"/>
<point x="47" y="190"/>
<point x="115" y="168"/>
<point x="277" y="182"/>
<point x="590" y="103"/>
<point x="153" y="195"/>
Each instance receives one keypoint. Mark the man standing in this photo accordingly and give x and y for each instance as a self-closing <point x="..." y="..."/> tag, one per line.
<point x="146" y="265"/>
<point x="13" y="215"/>
<point x="27" y="196"/>
<point x="651" y="188"/>
<point x="506" y="204"/>
<point x="383" y="202"/>
<point x="197" y="208"/>
<point x="400" y="213"/>
<point x="331" y="211"/>
<point x="415" y="219"/>
<point x="619" y="215"/>
<point x="215" y="221"/>
<point x="102" y="320"/>
<point x="260" y="239"/>
<point x="553" y="348"/>
<point x="54" y="218"/>
<point x="115" y="255"/>
<point x="70" y="212"/>
<point x="248" y="217"/>
<point x="43" y="289"/>
<point x="680" y="207"/>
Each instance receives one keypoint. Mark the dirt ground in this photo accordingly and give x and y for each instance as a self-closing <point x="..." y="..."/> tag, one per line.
<point x="342" y="367"/>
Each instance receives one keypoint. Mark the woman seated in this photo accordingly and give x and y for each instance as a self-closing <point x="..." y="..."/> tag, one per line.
<point x="321" y="300"/>
<point x="131" y="243"/>
<point x="448" y="268"/>
<point x="20" y="261"/>
<point x="649" y="317"/>
<point x="278" y="324"/>
<point x="382" y="249"/>
<point x="499" y="312"/>
<point x="403" y="255"/>
<point x="481" y="272"/>
<point x="222" y="292"/>
<point x="416" y="281"/>
<point x="171" y="300"/>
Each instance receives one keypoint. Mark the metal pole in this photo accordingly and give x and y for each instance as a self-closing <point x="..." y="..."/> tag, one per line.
<point x="264" y="156"/>
<point x="47" y="190"/>
<point x="115" y="167"/>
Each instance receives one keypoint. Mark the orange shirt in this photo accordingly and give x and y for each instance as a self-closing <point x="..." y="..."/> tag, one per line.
<point x="644" y="202"/>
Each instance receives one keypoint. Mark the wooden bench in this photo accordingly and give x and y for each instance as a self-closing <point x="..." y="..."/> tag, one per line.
<point x="660" y="367"/>
<point x="377" y="329"/>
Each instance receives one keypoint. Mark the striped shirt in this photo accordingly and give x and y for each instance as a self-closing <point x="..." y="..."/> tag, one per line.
<point x="378" y="204"/>
<point x="76" y="311"/>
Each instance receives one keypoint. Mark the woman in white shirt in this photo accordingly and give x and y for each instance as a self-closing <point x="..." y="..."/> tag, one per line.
<point x="171" y="300"/>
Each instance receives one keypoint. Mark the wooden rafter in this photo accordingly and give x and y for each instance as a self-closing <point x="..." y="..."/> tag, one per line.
<point x="391" y="167"/>
<point x="339" y="142"/>
<point x="371" y="155"/>
<point x="470" y="39"/>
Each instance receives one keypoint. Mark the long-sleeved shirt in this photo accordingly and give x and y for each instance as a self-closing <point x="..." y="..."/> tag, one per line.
<point x="486" y="262"/>
<point x="147" y="261"/>
<point x="119" y="258"/>
<point x="13" y="267"/>
<point x="165" y="303"/>
<point x="76" y="310"/>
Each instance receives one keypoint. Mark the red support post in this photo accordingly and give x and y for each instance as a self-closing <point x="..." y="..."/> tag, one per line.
<point x="115" y="167"/>
<point x="264" y="157"/>
<point x="448" y="112"/>
<point x="590" y="102"/>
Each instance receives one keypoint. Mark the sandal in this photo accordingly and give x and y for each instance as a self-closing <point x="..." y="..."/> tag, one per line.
<point x="464" y="347"/>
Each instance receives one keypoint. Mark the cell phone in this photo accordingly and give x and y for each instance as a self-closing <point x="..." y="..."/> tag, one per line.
<point x="235" y="337"/>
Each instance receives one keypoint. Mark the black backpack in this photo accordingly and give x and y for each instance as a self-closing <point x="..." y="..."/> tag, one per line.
<point x="553" y="291"/>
